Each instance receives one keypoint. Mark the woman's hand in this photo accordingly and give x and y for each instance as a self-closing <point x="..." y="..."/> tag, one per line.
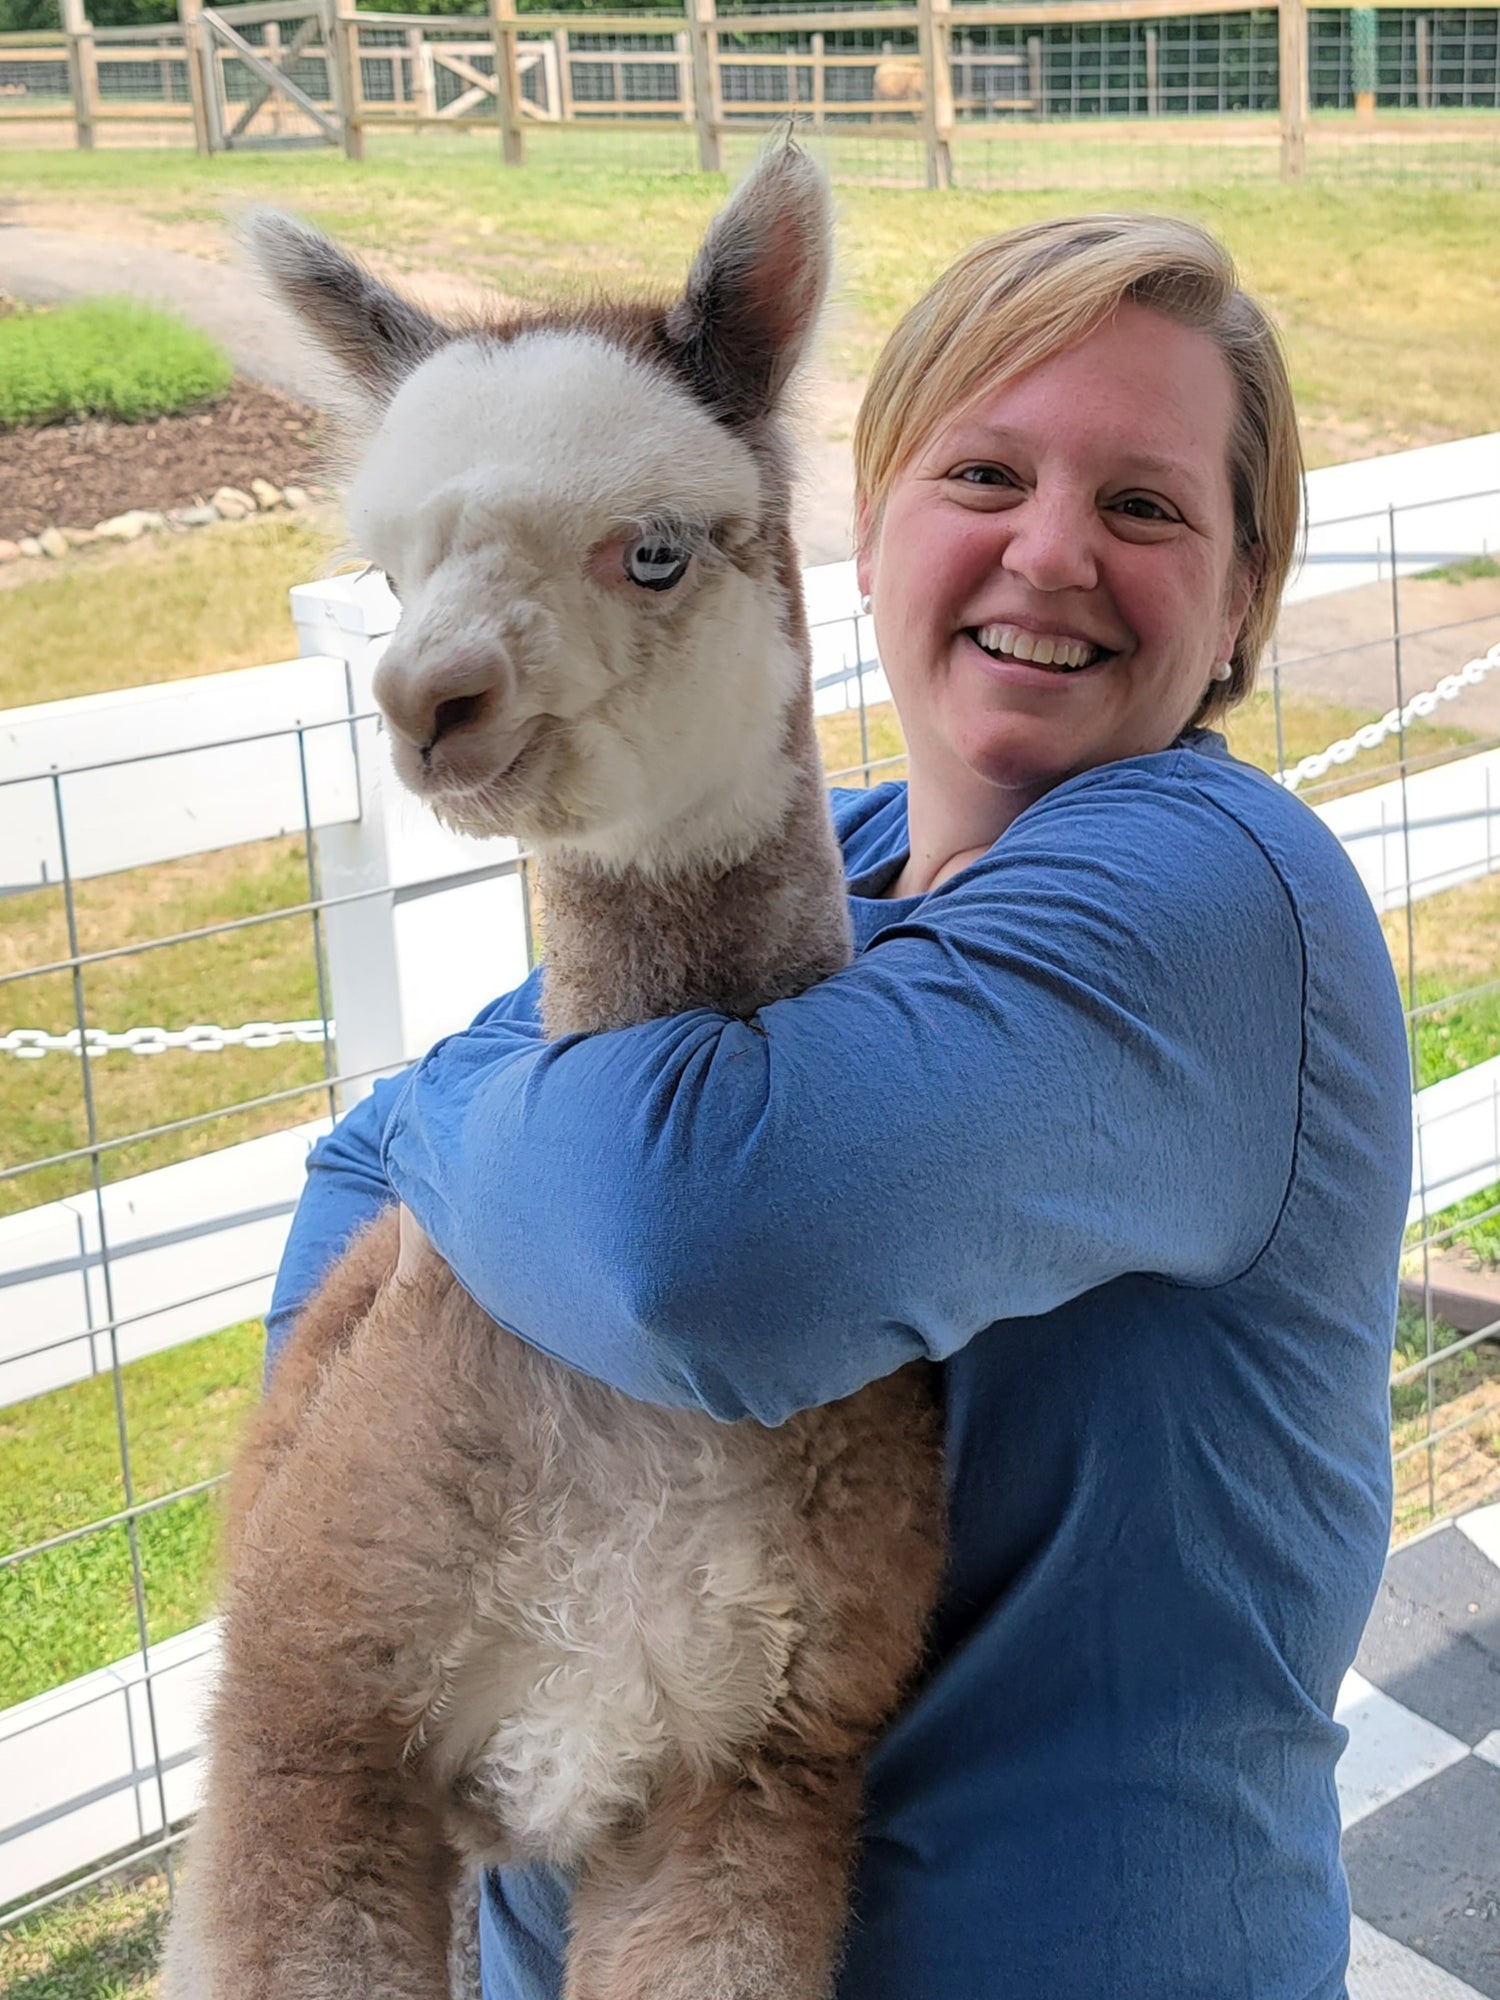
<point x="415" y="1246"/>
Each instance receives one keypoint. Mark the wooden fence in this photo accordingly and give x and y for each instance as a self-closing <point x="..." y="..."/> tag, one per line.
<point x="286" y="72"/>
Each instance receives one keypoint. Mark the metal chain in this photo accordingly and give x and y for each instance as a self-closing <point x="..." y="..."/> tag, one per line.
<point x="202" y="1039"/>
<point x="1394" y="720"/>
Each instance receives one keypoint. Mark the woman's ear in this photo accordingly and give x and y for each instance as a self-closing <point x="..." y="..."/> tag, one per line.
<point x="864" y="549"/>
<point x="1243" y="582"/>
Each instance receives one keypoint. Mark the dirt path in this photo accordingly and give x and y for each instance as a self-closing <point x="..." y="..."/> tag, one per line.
<point x="47" y="266"/>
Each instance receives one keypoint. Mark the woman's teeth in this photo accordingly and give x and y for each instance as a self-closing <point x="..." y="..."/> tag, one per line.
<point x="1005" y="641"/>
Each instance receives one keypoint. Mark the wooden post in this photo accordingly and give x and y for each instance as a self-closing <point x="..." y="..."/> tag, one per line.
<point x="1036" y="76"/>
<point x="423" y="81"/>
<point x="1153" y="77"/>
<point x="683" y="56"/>
<point x="190" y="14"/>
<point x="507" y="82"/>
<point x="1424" y="62"/>
<point x="1363" y="62"/>
<point x="83" y="72"/>
<point x="708" y="111"/>
<point x="341" y="34"/>
<point x="934" y="41"/>
<point x="819" y="81"/>
<point x="1292" y="20"/>
<point x="564" y="47"/>
<point x="275" y="103"/>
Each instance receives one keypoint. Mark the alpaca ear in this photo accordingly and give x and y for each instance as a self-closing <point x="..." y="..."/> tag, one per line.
<point x="756" y="287"/>
<point x="375" y="336"/>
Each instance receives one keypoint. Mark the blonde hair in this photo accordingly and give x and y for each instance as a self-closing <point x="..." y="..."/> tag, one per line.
<point x="1016" y="300"/>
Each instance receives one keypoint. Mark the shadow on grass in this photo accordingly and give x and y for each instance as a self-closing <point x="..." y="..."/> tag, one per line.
<point x="99" y="1947"/>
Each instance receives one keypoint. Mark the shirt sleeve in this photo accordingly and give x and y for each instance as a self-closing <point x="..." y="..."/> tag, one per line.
<point x="1078" y="1059"/>
<point x="346" y="1184"/>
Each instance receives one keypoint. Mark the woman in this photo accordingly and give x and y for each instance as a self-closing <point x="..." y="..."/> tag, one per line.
<point x="1109" y="1116"/>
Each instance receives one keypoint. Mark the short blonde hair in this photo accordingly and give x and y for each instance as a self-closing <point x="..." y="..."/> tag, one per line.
<point x="1016" y="300"/>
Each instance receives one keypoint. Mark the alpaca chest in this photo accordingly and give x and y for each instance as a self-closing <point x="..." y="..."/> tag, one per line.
<point x="633" y="1619"/>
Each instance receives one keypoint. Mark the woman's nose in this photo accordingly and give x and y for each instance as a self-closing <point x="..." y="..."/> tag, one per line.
<point x="1052" y="543"/>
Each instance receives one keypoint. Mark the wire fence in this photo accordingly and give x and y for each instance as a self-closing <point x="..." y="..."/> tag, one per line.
<point x="1154" y="102"/>
<point x="142" y="1202"/>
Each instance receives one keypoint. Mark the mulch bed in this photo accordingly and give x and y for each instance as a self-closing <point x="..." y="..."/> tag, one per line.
<point x="76" y="475"/>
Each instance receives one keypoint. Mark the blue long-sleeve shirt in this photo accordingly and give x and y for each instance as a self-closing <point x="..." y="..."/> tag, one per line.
<point x="1115" y="1124"/>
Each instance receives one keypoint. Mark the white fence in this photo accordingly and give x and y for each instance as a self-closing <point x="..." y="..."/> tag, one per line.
<point x="421" y="928"/>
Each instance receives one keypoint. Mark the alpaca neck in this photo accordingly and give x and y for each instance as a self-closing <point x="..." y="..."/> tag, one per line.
<point x="625" y="944"/>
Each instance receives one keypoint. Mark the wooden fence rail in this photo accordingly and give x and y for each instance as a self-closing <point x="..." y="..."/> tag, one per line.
<point x="269" y="72"/>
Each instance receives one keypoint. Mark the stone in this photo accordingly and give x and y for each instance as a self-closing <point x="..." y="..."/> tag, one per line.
<point x="267" y="496"/>
<point x="9" y="551"/>
<point x="296" y="496"/>
<point x="193" y="517"/>
<point x="152" y="522"/>
<point x="230" y="504"/>
<point x="79" y="538"/>
<point x="122" y="527"/>
<point x="29" y="545"/>
<point x="52" y="543"/>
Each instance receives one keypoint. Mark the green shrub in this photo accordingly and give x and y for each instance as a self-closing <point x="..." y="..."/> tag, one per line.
<point x="104" y="357"/>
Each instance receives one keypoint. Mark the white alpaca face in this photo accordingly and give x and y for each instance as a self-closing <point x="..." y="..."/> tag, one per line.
<point x="582" y="655"/>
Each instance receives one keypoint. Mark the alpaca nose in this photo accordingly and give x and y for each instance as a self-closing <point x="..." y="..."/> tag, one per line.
<point x="440" y="699"/>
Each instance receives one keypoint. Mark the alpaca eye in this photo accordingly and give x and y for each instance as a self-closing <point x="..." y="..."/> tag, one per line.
<point x="655" y="564"/>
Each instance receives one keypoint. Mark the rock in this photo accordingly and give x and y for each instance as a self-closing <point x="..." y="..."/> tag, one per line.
<point x="193" y="517"/>
<point x="296" y="496"/>
<point x="29" y="545"/>
<point x="79" y="538"/>
<point x="267" y="496"/>
<point x="9" y="551"/>
<point x="52" y="543"/>
<point x="123" y="527"/>
<point x="230" y="504"/>
<point x="152" y="523"/>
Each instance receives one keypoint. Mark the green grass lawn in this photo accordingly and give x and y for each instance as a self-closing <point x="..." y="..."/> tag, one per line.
<point x="105" y="358"/>
<point x="1388" y="294"/>
<point x="72" y="1608"/>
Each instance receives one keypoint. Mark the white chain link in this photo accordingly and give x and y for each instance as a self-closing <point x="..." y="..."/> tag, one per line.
<point x="1394" y="719"/>
<point x="202" y="1039"/>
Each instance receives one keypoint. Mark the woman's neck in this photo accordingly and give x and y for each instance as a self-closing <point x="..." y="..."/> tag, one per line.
<point x="948" y="829"/>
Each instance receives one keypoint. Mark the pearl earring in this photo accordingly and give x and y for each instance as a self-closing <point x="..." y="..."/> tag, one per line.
<point x="1223" y="671"/>
<point x="864" y="603"/>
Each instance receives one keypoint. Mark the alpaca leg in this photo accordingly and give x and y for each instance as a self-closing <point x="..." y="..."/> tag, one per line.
<point x="326" y="1869"/>
<point x="324" y="1327"/>
<point x="737" y="1892"/>
<point x="331" y="1886"/>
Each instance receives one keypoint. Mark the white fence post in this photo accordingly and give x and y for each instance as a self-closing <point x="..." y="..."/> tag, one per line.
<point x="437" y="923"/>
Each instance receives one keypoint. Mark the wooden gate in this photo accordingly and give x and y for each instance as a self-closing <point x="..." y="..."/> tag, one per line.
<point x="252" y="98"/>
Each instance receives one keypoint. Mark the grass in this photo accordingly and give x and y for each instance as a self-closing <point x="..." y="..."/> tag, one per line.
<point x="1478" y="569"/>
<point x="1387" y="294"/>
<point x="102" y="1944"/>
<point x="104" y="358"/>
<point x="1461" y="1470"/>
<point x="71" y="1609"/>
<point x="192" y="604"/>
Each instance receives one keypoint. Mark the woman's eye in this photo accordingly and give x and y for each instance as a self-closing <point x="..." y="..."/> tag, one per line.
<point x="655" y="564"/>
<point x="984" y="475"/>
<point x="1138" y="508"/>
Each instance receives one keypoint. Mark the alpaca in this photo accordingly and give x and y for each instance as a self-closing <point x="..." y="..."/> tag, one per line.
<point x="479" y="1608"/>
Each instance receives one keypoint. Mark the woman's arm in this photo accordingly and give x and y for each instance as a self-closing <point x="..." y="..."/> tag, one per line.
<point x="347" y="1186"/>
<point x="1080" y="1060"/>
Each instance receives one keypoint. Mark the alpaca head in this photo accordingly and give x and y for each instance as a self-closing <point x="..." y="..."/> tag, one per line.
<point x="584" y="516"/>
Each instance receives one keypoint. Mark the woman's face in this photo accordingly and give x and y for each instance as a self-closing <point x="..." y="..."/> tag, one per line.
<point x="1053" y="573"/>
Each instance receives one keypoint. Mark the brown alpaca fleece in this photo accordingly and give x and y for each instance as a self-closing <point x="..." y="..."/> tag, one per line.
<point x="480" y="1608"/>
